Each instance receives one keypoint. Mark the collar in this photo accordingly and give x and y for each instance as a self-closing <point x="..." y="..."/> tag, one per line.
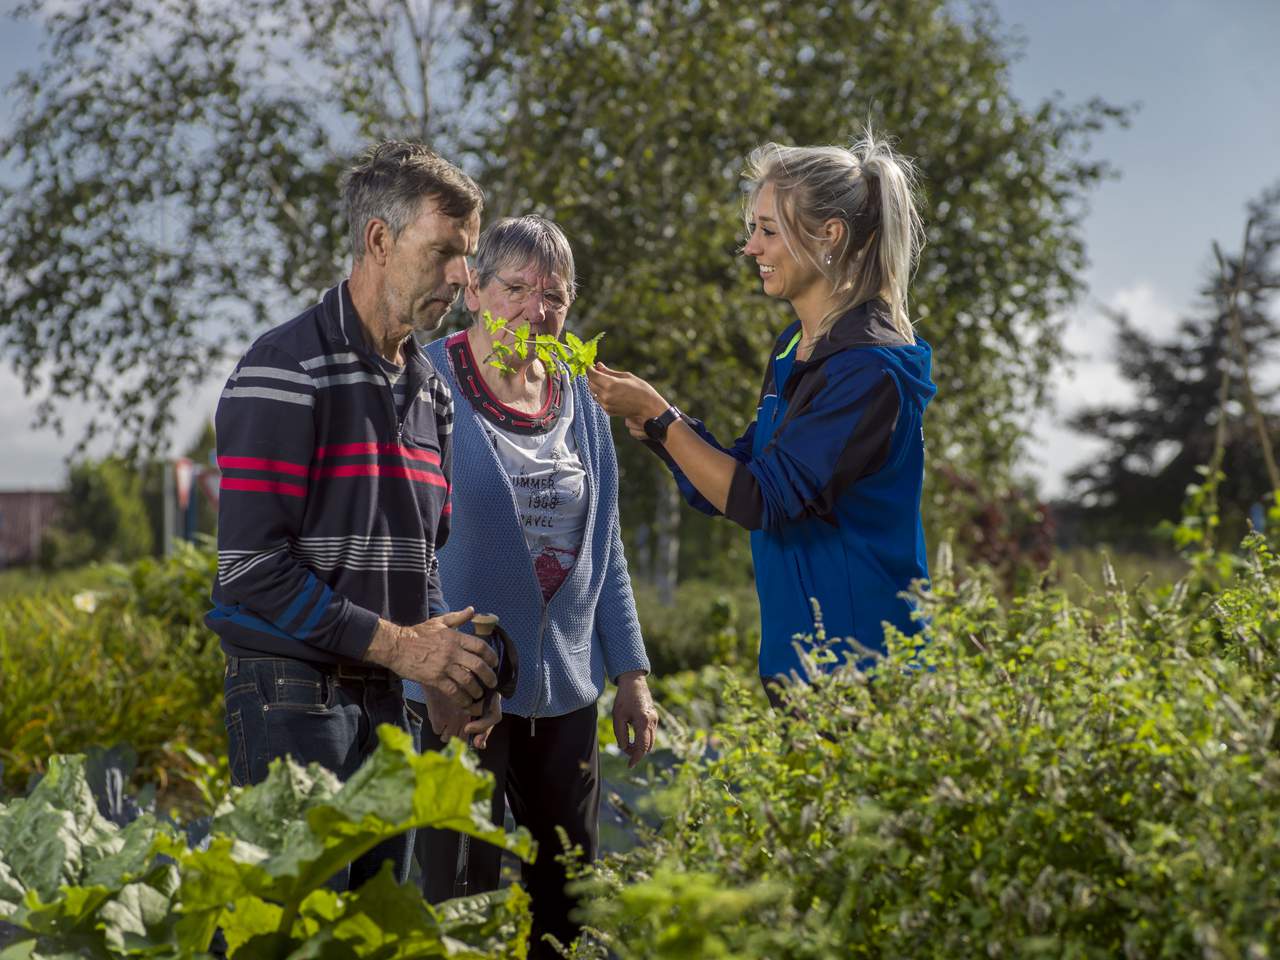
<point x="869" y="324"/>
<point x="343" y="326"/>
<point x="472" y="386"/>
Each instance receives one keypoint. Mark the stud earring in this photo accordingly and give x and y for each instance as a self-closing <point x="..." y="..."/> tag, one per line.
<point x="828" y="259"/>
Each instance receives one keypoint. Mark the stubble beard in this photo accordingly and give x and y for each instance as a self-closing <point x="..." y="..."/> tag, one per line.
<point x="423" y="322"/>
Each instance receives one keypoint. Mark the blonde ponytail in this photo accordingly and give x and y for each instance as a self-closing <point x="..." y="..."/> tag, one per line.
<point x="871" y="190"/>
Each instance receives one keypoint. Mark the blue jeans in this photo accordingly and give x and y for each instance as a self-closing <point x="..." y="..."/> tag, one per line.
<point x="315" y="713"/>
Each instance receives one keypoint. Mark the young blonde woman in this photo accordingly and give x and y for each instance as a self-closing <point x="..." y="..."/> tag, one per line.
<point x="828" y="475"/>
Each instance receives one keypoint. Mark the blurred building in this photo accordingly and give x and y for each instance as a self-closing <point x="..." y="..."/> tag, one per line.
<point x="25" y="516"/>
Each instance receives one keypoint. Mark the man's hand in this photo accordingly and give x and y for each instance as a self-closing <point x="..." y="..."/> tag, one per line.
<point x="455" y="665"/>
<point x="633" y="708"/>
<point x="448" y="721"/>
<point x="478" y="730"/>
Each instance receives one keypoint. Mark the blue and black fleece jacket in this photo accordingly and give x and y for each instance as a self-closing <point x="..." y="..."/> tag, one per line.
<point x="829" y="481"/>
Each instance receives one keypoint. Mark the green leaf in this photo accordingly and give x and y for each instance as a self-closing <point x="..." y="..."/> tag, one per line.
<point x="302" y="827"/>
<point x="49" y="838"/>
<point x="522" y="340"/>
<point x="494" y="924"/>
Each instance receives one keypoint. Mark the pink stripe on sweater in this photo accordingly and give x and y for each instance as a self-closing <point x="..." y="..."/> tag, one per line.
<point x="258" y="463"/>
<point x="263" y="486"/>
<point x="367" y="449"/>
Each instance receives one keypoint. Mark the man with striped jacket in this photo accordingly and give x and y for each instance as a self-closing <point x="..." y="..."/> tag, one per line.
<point x="334" y="441"/>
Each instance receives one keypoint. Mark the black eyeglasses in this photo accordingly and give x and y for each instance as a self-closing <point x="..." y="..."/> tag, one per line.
<point x="556" y="300"/>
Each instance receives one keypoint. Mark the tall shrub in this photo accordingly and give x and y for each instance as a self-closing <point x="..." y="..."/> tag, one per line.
<point x="1042" y="778"/>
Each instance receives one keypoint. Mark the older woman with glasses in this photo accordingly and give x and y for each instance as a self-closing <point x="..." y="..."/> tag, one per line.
<point x="535" y="539"/>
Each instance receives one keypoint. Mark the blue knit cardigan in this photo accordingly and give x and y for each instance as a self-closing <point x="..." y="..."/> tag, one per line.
<point x="589" y="628"/>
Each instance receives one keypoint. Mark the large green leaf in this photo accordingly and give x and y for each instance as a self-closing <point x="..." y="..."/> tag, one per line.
<point x="49" y="838"/>
<point x="312" y="830"/>
<point x="79" y="886"/>
<point x="299" y="827"/>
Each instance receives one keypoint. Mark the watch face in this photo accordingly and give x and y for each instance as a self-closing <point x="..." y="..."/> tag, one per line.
<point x="655" y="430"/>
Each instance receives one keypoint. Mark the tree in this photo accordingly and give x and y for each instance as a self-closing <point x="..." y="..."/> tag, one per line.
<point x="630" y="123"/>
<point x="104" y="516"/>
<point x="177" y="165"/>
<point x="1156" y="443"/>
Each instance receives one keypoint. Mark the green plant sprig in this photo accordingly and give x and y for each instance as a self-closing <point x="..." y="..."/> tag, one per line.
<point x="577" y="355"/>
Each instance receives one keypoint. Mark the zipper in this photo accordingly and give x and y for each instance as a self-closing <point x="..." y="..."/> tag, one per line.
<point x="579" y="431"/>
<point x="542" y="629"/>
<point x="390" y="397"/>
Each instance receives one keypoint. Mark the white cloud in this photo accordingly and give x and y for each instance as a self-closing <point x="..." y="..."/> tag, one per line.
<point x="1091" y="378"/>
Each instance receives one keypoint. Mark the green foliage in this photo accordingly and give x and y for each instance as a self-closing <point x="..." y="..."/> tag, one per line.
<point x="708" y="623"/>
<point x="574" y="354"/>
<point x="34" y="582"/>
<point x="1041" y="778"/>
<point x="103" y="517"/>
<point x="1078" y="571"/>
<point x="154" y="131"/>
<point x="131" y="662"/>
<point x="629" y="123"/>
<point x="175" y="179"/>
<point x="73" y="882"/>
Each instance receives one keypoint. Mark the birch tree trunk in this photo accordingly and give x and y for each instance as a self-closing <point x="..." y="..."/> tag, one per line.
<point x="666" y="546"/>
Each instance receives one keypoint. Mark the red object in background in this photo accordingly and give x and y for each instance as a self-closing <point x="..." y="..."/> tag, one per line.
<point x="183" y="474"/>
<point x="209" y="482"/>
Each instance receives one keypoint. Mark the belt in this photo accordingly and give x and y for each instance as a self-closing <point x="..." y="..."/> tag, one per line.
<point x="352" y="671"/>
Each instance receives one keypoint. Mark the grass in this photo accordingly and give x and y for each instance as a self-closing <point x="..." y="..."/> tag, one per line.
<point x="1079" y="570"/>
<point x="35" y="582"/>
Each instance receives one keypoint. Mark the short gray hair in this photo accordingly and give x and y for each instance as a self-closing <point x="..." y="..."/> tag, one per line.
<point x="517" y="241"/>
<point x="389" y="181"/>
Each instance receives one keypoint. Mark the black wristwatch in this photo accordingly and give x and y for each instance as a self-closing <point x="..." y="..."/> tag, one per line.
<point x="656" y="427"/>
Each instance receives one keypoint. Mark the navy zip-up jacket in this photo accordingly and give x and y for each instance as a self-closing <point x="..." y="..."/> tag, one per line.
<point x="332" y="502"/>
<point x="828" y="481"/>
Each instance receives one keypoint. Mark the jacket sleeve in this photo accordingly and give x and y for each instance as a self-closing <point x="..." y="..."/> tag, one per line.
<point x="841" y="435"/>
<point x="266" y="435"/>
<point x="740" y="451"/>
<point x="616" y="622"/>
<point x="442" y="400"/>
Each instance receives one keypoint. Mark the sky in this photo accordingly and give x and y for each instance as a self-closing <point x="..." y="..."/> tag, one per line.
<point x="1204" y="140"/>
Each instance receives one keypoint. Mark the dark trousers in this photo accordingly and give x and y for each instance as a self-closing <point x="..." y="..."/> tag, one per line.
<point x="549" y="771"/>
<point x="315" y="713"/>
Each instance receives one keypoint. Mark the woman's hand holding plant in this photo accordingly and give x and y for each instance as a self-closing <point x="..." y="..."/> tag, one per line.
<point x="625" y="395"/>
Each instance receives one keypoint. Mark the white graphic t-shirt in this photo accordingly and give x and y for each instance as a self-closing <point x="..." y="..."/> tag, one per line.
<point x="539" y="454"/>
<point x="551" y="493"/>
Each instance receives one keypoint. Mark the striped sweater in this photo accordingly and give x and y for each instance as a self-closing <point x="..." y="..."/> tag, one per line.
<point x="333" y="502"/>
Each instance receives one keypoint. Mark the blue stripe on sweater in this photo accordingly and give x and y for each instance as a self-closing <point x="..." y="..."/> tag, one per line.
<point x="316" y="612"/>
<point x="233" y="615"/>
<point x="295" y="608"/>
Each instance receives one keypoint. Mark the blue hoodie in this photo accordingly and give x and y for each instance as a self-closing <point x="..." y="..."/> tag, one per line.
<point x="829" y="481"/>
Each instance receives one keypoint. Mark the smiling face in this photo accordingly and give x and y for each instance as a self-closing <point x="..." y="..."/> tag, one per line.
<point x="783" y="273"/>
<point x="426" y="267"/>
<point x="522" y="294"/>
